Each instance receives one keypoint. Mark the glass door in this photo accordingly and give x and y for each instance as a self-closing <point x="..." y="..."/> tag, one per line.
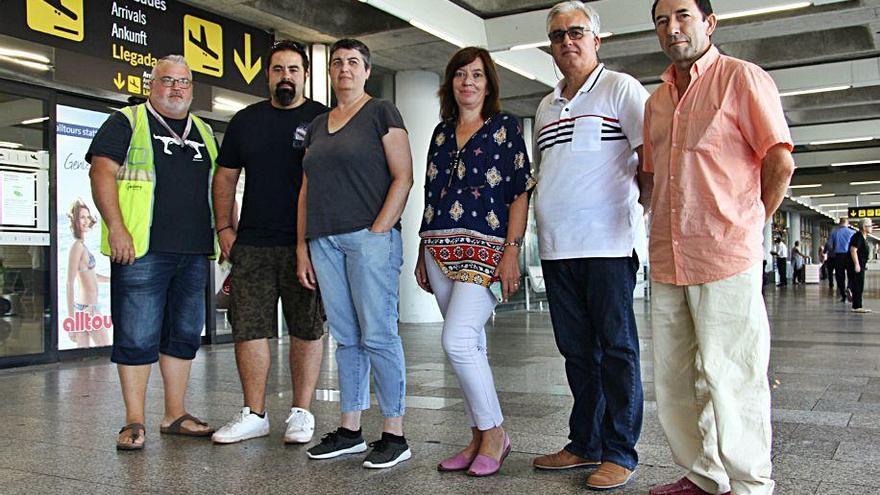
<point x="25" y="263"/>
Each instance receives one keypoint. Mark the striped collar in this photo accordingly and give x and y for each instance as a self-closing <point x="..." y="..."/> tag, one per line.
<point x="588" y="86"/>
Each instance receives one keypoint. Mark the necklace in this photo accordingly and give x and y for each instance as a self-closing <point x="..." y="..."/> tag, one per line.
<point x="181" y="140"/>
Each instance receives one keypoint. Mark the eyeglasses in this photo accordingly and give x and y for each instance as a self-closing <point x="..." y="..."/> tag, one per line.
<point x="169" y="81"/>
<point x="574" y="33"/>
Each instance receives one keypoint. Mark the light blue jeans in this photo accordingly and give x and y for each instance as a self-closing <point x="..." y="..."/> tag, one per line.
<point x="358" y="274"/>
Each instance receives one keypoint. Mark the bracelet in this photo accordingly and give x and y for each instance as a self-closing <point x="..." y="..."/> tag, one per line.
<point x="224" y="228"/>
<point x="511" y="244"/>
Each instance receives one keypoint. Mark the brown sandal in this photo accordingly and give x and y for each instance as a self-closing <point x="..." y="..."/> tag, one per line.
<point x="176" y="428"/>
<point x="137" y="431"/>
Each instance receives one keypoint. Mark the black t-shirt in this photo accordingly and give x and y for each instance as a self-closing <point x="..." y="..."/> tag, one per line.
<point x="347" y="170"/>
<point x="181" y="211"/>
<point x="268" y="143"/>
<point x="858" y="241"/>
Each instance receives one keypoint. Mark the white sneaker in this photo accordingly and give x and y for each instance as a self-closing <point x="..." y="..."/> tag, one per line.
<point x="245" y="425"/>
<point x="300" y="426"/>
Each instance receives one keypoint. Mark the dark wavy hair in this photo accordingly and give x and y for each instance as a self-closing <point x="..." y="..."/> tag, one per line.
<point x="73" y="216"/>
<point x="287" y="45"/>
<point x="492" y="103"/>
<point x="705" y="7"/>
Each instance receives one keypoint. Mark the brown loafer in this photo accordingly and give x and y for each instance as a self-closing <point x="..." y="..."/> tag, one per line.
<point x="562" y="460"/>
<point x="609" y="476"/>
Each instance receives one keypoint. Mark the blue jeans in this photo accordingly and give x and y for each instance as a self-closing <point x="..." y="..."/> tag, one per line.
<point x="158" y="306"/>
<point x="359" y="273"/>
<point x="591" y="308"/>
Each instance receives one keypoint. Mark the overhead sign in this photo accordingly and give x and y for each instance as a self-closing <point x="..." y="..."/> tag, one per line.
<point x="128" y="36"/>
<point x="59" y="18"/>
<point x="864" y="212"/>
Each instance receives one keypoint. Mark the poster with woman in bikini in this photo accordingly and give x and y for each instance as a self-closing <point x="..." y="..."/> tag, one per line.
<point x="83" y="273"/>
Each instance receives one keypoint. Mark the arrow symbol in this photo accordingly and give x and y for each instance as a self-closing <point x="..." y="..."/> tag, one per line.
<point x="249" y="70"/>
<point x="119" y="81"/>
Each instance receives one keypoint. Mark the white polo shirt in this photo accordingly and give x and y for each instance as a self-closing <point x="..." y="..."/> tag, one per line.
<point x="587" y="199"/>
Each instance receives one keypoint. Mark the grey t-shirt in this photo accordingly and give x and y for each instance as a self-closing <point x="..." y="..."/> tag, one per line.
<point x="347" y="171"/>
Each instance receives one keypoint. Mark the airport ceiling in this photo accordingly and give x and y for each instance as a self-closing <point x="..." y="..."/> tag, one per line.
<point x="819" y="46"/>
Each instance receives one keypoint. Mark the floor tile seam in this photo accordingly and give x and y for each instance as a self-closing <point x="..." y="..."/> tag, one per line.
<point x="69" y="478"/>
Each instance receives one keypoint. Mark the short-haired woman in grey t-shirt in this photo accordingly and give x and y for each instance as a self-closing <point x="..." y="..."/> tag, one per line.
<point x="357" y="177"/>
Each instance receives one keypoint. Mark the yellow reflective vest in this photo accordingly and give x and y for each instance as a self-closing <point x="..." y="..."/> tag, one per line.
<point x="136" y="180"/>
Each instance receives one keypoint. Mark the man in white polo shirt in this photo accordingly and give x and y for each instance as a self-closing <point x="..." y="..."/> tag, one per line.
<point x="591" y="230"/>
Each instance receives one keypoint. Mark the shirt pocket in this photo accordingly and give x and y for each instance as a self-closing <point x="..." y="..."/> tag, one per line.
<point x="704" y="130"/>
<point x="587" y="134"/>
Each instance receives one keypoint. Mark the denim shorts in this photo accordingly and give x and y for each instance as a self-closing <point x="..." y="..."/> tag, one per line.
<point x="158" y="306"/>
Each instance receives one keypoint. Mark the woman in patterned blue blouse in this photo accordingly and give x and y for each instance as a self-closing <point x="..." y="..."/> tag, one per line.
<point x="476" y="208"/>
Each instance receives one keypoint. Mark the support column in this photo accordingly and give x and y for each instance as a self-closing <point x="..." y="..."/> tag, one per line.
<point x="416" y="97"/>
<point x="817" y="241"/>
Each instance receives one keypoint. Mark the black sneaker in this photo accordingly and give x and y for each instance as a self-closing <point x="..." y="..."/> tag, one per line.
<point x="387" y="452"/>
<point x="334" y="444"/>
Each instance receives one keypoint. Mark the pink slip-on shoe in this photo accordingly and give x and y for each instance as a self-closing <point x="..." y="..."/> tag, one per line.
<point x="458" y="462"/>
<point x="484" y="465"/>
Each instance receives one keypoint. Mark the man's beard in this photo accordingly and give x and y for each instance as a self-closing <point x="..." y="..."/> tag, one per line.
<point x="285" y="94"/>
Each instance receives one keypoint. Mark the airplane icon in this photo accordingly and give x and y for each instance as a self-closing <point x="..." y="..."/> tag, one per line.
<point x="61" y="9"/>
<point x="203" y="45"/>
<point x="202" y="42"/>
<point x="62" y="18"/>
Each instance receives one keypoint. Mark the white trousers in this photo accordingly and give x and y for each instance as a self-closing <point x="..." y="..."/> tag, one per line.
<point x="711" y="353"/>
<point x="466" y="308"/>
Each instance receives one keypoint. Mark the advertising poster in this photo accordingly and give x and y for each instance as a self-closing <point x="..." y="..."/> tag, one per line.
<point x="83" y="272"/>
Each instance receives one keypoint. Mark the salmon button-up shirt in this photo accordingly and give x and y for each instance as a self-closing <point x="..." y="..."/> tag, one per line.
<point x="706" y="150"/>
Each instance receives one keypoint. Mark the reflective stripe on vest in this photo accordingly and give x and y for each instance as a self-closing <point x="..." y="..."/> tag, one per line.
<point x="136" y="180"/>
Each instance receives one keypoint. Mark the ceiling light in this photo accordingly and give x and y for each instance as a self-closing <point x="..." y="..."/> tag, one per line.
<point x="844" y="140"/>
<point x="874" y="203"/>
<point x="526" y="46"/>
<point x="23" y="55"/>
<point x="838" y="211"/>
<point x="764" y="10"/>
<point x="864" y="182"/>
<point x="870" y="193"/>
<point x="228" y="102"/>
<point x="7" y="144"/>
<point x="814" y="90"/>
<point x="438" y="33"/>
<point x="846" y="164"/>
<point x="826" y="195"/>
<point x="804" y="186"/>
<point x="34" y="121"/>
<point x="606" y="34"/>
<point x="833" y="204"/>
<point x="519" y="71"/>
<point x="27" y="63"/>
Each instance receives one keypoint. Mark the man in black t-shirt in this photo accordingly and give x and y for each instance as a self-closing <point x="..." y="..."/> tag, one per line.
<point x="150" y="171"/>
<point x="858" y="252"/>
<point x="266" y="140"/>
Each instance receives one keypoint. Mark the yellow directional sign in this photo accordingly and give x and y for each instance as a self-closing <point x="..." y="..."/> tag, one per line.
<point x="62" y="18"/>
<point x="248" y="70"/>
<point x="203" y="45"/>
<point x="119" y="82"/>
<point x="134" y="85"/>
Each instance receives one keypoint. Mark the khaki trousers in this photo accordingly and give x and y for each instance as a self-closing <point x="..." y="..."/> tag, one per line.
<point x="711" y="352"/>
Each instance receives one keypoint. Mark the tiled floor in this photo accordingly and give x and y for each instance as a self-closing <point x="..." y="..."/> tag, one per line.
<point x="58" y="423"/>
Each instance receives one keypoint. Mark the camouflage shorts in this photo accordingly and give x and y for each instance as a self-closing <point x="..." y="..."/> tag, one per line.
<point x="260" y="275"/>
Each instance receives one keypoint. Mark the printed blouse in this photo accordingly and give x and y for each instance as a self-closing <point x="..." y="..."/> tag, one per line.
<point x="468" y="192"/>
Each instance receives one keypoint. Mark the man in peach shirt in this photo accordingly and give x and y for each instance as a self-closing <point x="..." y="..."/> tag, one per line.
<point x="718" y="145"/>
